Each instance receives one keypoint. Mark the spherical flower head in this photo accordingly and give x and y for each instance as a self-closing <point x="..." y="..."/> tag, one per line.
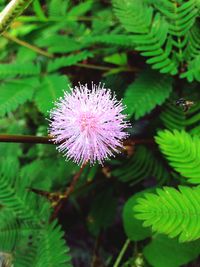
<point x="88" y="124"/>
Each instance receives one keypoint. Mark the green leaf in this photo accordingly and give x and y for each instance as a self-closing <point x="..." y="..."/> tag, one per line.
<point x="15" y="235"/>
<point x="119" y="40"/>
<point x="182" y="151"/>
<point x="15" y="93"/>
<point x="142" y="165"/>
<point x="19" y="69"/>
<point x="50" y="89"/>
<point x="135" y="16"/>
<point x="167" y="33"/>
<point x="10" y="153"/>
<point x="32" y="173"/>
<point x="80" y="9"/>
<point x="59" y="43"/>
<point x="174" y="117"/>
<point x="38" y="10"/>
<point x="165" y="252"/>
<point x="58" y="8"/>
<point x="192" y="73"/>
<point x="117" y="59"/>
<point x="24" y="67"/>
<point x="146" y="92"/>
<point x="132" y="226"/>
<point x="172" y="212"/>
<point x="52" y="250"/>
<point x="67" y="61"/>
<point x="20" y="203"/>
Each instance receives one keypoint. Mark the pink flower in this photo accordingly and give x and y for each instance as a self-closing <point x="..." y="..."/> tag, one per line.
<point x="88" y="124"/>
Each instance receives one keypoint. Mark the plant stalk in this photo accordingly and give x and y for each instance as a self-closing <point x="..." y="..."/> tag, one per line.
<point x="11" y="11"/>
<point x="68" y="192"/>
<point x="27" y="45"/>
<point x="32" y="139"/>
<point x="121" y="254"/>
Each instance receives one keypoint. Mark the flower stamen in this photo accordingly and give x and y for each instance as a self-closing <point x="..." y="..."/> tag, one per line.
<point x="88" y="124"/>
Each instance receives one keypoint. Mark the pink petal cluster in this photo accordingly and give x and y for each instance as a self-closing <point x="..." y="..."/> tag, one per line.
<point x="88" y="124"/>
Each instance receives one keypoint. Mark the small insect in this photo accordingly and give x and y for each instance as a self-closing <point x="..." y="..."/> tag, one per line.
<point x="185" y="104"/>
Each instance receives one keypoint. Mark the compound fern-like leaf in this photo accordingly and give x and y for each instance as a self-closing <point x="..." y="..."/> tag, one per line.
<point x="17" y="239"/>
<point x="134" y="15"/>
<point x="143" y="164"/>
<point x="50" y="89"/>
<point x="193" y="72"/>
<point x="20" y="69"/>
<point x="120" y="40"/>
<point x="149" y="90"/>
<point x="52" y="250"/>
<point x="167" y="32"/>
<point x="149" y="33"/>
<point x="16" y="93"/>
<point x="172" y="212"/>
<point x="21" y="204"/>
<point x="174" y="118"/>
<point x="67" y="61"/>
<point x="182" y="151"/>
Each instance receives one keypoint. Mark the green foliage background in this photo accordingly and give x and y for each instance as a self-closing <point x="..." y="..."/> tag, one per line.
<point x="148" y="52"/>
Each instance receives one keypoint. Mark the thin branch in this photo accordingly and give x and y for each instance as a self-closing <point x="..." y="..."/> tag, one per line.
<point x="49" y="55"/>
<point x="121" y="254"/>
<point x="138" y="141"/>
<point x="11" y="11"/>
<point x="96" y="260"/>
<point x="75" y="180"/>
<point x="70" y="189"/>
<point x="96" y="67"/>
<point x="58" y="19"/>
<point x="31" y="139"/>
<point x="27" y="45"/>
<point x="92" y="66"/>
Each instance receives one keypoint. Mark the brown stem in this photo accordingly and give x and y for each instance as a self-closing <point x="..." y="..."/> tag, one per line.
<point x="96" y="259"/>
<point x="70" y="189"/>
<point x="31" y="139"/>
<point x="75" y="180"/>
<point x="138" y="141"/>
<point x="46" y="54"/>
<point x="97" y="67"/>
